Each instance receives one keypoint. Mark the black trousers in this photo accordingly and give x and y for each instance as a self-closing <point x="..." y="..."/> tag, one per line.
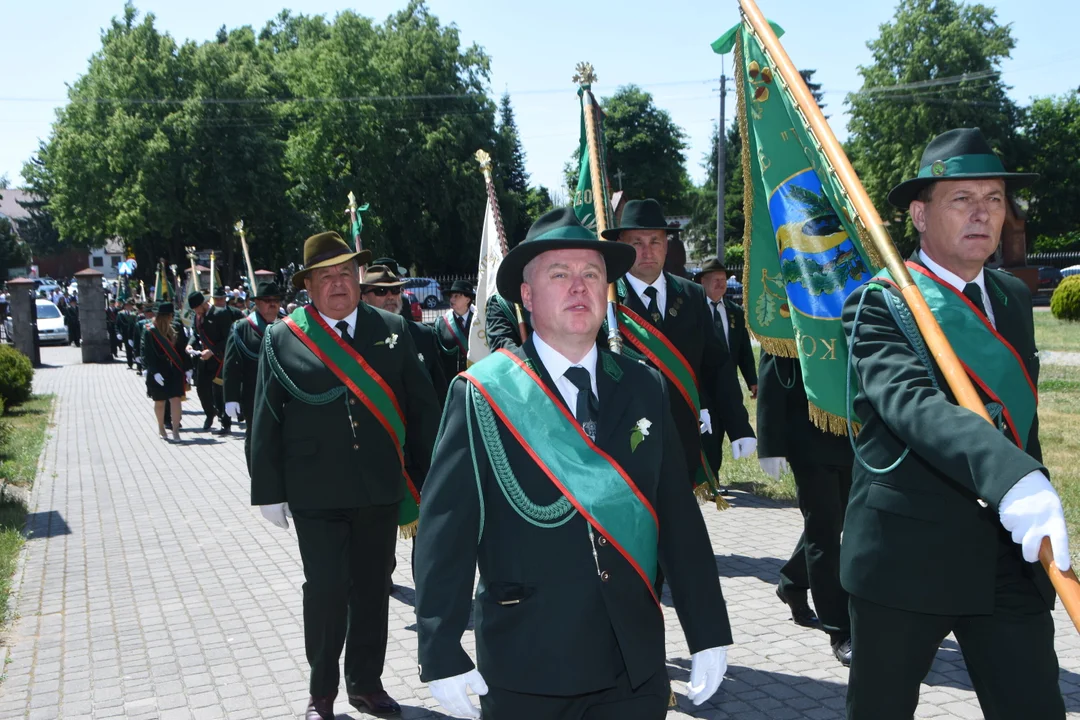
<point x="1009" y="655"/>
<point x="204" y="386"/>
<point x="822" y="492"/>
<point x="794" y="576"/>
<point x="129" y="353"/>
<point x="347" y="557"/>
<point x="648" y="702"/>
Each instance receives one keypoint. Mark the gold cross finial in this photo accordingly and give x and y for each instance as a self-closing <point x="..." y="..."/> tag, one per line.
<point x="484" y="159"/>
<point x="239" y="226"/>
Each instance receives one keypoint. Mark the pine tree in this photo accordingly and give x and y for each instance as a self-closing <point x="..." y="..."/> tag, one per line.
<point x="511" y="155"/>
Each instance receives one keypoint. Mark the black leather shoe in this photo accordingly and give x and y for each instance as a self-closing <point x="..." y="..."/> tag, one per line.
<point x="376" y="703"/>
<point x="209" y="422"/>
<point x="801" y="613"/>
<point x="842" y="650"/>
<point x="320" y="708"/>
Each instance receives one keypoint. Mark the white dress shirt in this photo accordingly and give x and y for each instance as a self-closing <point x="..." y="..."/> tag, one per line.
<point x="718" y="307"/>
<point x="661" y="291"/>
<point x="351" y="319"/>
<point x="556" y="364"/>
<point x="957" y="282"/>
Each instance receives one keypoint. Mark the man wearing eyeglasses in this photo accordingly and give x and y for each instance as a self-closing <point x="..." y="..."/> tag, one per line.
<point x="382" y="289"/>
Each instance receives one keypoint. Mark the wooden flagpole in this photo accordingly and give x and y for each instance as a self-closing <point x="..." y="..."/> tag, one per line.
<point x="484" y="159"/>
<point x="1066" y="584"/>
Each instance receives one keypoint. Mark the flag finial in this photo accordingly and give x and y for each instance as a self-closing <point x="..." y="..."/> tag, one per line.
<point x="584" y="74"/>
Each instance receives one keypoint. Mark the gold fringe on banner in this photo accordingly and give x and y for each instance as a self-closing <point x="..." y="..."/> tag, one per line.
<point x="748" y="181"/>
<point x="705" y="495"/>
<point x="408" y="531"/>
<point x="868" y="246"/>
<point x="780" y="347"/>
<point x="830" y="422"/>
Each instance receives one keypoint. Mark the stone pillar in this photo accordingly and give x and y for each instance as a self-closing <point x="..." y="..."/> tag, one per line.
<point x="24" y="318"/>
<point x="95" y="336"/>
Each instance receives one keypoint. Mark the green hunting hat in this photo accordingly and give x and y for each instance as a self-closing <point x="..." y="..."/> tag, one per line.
<point x="324" y="250"/>
<point x="165" y="308"/>
<point x="640" y="215"/>
<point x="219" y="292"/>
<point x="268" y="289"/>
<point x="957" y="154"/>
<point x="380" y="276"/>
<point x="464" y="287"/>
<point x="711" y="265"/>
<point x="195" y="299"/>
<point x="558" y="229"/>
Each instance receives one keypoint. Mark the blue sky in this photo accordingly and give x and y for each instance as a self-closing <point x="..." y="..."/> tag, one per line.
<point x="661" y="46"/>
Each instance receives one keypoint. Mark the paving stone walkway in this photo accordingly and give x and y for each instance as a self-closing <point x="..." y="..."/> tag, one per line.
<point x="150" y="589"/>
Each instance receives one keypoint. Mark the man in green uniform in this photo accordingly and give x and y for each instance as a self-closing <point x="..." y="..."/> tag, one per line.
<point x="339" y="383"/>
<point x="821" y="462"/>
<point x="942" y="534"/>
<point x="206" y="365"/>
<point x="730" y="323"/>
<point x="125" y="330"/>
<point x="216" y="328"/>
<point x="453" y="328"/>
<point x="242" y="350"/>
<point x="503" y="330"/>
<point x="145" y="320"/>
<point x="561" y="474"/>
<point x="382" y="289"/>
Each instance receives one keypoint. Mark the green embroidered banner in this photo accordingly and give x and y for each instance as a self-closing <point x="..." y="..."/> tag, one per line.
<point x="991" y="362"/>
<point x="589" y="478"/>
<point x="359" y="377"/>
<point x="583" y="201"/>
<point x="803" y="255"/>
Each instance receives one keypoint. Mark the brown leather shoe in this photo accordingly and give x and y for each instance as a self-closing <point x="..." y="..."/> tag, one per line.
<point x="376" y="703"/>
<point x="320" y="708"/>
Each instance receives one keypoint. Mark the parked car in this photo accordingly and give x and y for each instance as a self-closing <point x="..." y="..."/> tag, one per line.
<point x="1049" y="278"/>
<point x="411" y="308"/>
<point x="46" y="286"/>
<point x="50" y="322"/>
<point x="1070" y="271"/>
<point x="426" y="291"/>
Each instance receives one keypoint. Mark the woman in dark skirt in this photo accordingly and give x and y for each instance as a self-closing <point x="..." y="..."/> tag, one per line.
<point x="167" y="363"/>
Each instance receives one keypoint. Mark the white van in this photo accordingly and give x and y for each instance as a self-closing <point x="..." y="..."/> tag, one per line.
<point x="50" y="322"/>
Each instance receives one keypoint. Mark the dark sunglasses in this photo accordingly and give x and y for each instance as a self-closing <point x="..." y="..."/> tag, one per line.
<point x="382" y="291"/>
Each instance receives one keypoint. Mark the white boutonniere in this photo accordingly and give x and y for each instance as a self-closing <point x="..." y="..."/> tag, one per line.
<point x="421" y="356"/>
<point x="640" y="431"/>
<point x="389" y="342"/>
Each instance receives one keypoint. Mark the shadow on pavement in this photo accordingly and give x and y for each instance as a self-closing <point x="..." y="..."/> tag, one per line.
<point x="45" y="525"/>
<point x="744" y="688"/>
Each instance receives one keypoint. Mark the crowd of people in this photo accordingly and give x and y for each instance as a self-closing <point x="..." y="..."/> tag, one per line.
<point x="570" y="475"/>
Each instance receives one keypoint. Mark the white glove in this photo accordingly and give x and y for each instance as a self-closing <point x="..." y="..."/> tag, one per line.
<point x="774" y="467"/>
<point x="452" y="693"/>
<point x="743" y="447"/>
<point x="190" y="375"/>
<point x="158" y="379"/>
<point x="707" y="670"/>
<point x="232" y="409"/>
<point x="706" y="422"/>
<point x="131" y="343"/>
<point x="119" y="336"/>
<point x="1030" y="511"/>
<point x="277" y="513"/>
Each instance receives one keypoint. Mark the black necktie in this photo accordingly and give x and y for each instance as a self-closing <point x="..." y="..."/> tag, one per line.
<point x="654" y="307"/>
<point x="587" y="408"/>
<point x="343" y="326"/>
<point x="719" y="321"/>
<point x="974" y="293"/>
<point x="461" y="324"/>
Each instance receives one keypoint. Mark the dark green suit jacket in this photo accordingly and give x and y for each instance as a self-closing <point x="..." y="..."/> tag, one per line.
<point x="739" y="347"/>
<point x="546" y="623"/>
<point x="689" y="326"/>
<point x="926" y="536"/>
<point x="784" y="427"/>
<point x="337" y="454"/>
<point x="427" y="345"/>
<point x="502" y="325"/>
<point x="454" y="357"/>
<point x="241" y="371"/>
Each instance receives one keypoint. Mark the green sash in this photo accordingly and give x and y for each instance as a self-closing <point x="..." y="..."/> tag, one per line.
<point x="167" y="348"/>
<point x="589" y="478"/>
<point x="361" y="379"/>
<point x="988" y="358"/>
<point x="259" y="325"/>
<point x="452" y="326"/>
<point x="665" y="357"/>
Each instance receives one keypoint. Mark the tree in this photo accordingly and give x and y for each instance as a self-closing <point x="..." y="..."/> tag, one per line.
<point x="936" y="66"/>
<point x="646" y="146"/>
<point x="38" y="230"/>
<point x="1052" y="139"/>
<point x="13" y="252"/>
<point x="5" y="184"/>
<point x="510" y="176"/>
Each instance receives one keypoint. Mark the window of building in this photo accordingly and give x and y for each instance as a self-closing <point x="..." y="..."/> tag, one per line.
<point x="97" y="261"/>
<point x="115" y="261"/>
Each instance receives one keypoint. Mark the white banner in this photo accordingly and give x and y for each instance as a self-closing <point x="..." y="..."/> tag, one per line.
<point x="490" y="259"/>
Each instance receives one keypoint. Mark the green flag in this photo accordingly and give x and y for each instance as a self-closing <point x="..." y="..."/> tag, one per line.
<point x="358" y="225"/>
<point x="584" y="202"/>
<point x="803" y="255"/>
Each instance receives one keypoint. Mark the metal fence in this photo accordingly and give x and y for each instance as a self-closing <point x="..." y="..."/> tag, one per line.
<point x="1054" y="259"/>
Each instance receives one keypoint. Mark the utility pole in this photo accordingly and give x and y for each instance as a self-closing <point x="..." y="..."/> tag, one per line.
<point x="721" y="167"/>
